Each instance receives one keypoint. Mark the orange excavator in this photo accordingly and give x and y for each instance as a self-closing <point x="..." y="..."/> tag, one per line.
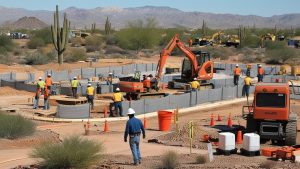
<point x="197" y="65"/>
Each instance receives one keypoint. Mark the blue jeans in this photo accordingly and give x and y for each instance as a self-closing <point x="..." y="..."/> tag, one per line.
<point x="118" y="108"/>
<point x="134" y="142"/>
<point x="36" y="102"/>
<point x="46" y="104"/>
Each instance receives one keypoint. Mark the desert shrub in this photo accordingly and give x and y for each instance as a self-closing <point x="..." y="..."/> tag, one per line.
<point x="76" y="42"/>
<point x="114" y="49"/>
<point x="75" y="54"/>
<point x="35" y="43"/>
<point x="170" y="160"/>
<point x="201" y="159"/>
<point x="110" y="40"/>
<point x="279" y="52"/>
<point x="39" y="58"/>
<point x="6" y="59"/>
<point x="252" y="41"/>
<point x="73" y="152"/>
<point x="45" y="34"/>
<point x="93" y="43"/>
<point x="15" y="126"/>
<point x="221" y="52"/>
<point x="6" y="44"/>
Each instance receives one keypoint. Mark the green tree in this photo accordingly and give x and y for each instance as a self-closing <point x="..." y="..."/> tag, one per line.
<point x="139" y="35"/>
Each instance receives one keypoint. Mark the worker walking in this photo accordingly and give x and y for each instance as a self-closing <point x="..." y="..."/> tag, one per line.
<point x="74" y="85"/>
<point x="134" y="128"/>
<point x="195" y="85"/>
<point x="46" y="98"/>
<point x="236" y="73"/>
<point x="90" y="93"/>
<point x="49" y="83"/>
<point x="260" y="73"/>
<point x="246" y="87"/>
<point x="117" y="103"/>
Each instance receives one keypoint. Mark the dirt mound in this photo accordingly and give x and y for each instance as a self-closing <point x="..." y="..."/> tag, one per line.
<point x="4" y="91"/>
<point x="27" y="23"/>
<point x="37" y="138"/>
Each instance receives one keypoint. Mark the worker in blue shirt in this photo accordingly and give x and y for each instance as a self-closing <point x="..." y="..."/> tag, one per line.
<point x="134" y="127"/>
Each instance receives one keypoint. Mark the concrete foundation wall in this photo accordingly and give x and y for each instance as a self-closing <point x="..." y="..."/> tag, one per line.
<point x="73" y="111"/>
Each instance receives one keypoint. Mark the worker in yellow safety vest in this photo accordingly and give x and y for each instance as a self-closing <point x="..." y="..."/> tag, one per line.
<point x="195" y="85"/>
<point x="90" y="92"/>
<point x="74" y="85"/>
<point x="247" y="85"/>
<point x="117" y="103"/>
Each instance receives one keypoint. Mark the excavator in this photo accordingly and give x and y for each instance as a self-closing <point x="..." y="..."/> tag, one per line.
<point x="197" y="65"/>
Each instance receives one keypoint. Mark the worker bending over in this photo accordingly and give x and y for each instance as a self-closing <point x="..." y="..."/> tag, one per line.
<point x="260" y="73"/>
<point x="236" y="73"/>
<point x="117" y="103"/>
<point x="195" y="85"/>
<point x="90" y="93"/>
<point x="74" y="85"/>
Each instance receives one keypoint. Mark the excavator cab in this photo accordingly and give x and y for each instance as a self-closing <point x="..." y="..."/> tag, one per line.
<point x="187" y="67"/>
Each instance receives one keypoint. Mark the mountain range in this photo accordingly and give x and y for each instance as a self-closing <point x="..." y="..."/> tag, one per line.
<point x="165" y="17"/>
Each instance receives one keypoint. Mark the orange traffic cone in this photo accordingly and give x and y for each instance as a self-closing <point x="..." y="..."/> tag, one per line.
<point x="219" y="117"/>
<point x="105" y="126"/>
<point x="145" y="123"/>
<point x="212" y="121"/>
<point x="239" y="139"/>
<point x="229" y="121"/>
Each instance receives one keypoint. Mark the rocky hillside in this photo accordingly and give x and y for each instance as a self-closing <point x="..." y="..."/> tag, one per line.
<point x="26" y="23"/>
<point x="165" y="16"/>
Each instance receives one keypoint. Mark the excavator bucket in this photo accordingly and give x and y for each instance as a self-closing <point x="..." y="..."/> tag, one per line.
<point x="207" y="71"/>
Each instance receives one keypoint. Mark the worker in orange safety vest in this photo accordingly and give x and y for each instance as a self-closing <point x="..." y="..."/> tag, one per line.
<point x="260" y="73"/>
<point x="236" y="73"/>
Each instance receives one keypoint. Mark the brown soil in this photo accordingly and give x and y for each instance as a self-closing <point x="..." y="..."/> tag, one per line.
<point x="4" y="91"/>
<point x="37" y="138"/>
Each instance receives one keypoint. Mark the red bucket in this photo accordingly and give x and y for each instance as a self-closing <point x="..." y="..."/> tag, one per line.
<point x="164" y="120"/>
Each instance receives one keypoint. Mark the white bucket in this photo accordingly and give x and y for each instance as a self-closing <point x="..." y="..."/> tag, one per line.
<point x="226" y="141"/>
<point x="251" y="142"/>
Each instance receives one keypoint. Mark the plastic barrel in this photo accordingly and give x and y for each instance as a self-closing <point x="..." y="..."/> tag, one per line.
<point x="164" y="120"/>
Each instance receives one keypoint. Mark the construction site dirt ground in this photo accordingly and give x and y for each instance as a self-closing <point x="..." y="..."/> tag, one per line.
<point x="16" y="152"/>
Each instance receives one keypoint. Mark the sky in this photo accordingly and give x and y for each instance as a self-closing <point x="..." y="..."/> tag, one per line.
<point x="242" y="7"/>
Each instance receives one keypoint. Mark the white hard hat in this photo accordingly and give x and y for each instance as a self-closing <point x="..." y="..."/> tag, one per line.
<point x="237" y="65"/>
<point x="117" y="89"/>
<point x="259" y="65"/>
<point x="195" y="78"/>
<point x="89" y="84"/>
<point x="131" y="111"/>
<point x="74" y="77"/>
<point x="40" y="78"/>
<point x="49" y="74"/>
<point x="148" y="78"/>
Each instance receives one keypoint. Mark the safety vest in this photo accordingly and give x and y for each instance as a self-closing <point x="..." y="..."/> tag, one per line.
<point x="117" y="97"/>
<point x="46" y="93"/>
<point x="49" y="81"/>
<point x="41" y="84"/>
<point x="247" y="81"/>
<point x="90" y="91"/>
<point x="260" y="71"/>
<point x="195" y="84"/>
<point x="74" y="83"/>
<point x="146" y="83"/>
<point x="237" y="71"/>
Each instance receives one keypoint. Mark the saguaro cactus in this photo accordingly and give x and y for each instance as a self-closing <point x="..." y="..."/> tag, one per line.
<point x="93" y="29"/>
<point x="60" y="35"/>
<point x="107" y="26"/>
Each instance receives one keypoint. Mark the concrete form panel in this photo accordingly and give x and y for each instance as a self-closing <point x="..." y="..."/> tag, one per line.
<point x="152" y="105"/>
<point x="73" y="111"/>
<point x="138" y="106"/>
<point x="103" y="71"/>
<point x="202" y="96"/>
<point x="128" y="69"/>
<point x="219" y="83"/>
<point x="214" y="94"/>
<point x="88" y="73"/>
<point x="182" y="100"/>
<point x="116" y="70"/>
<point x="74" y="73"/>
<point x="193" y="98"/>
<point x="229" y="93"/>
<point x="141" y="67"/>
<point x="125" y="106"/>
<point x="239" y="91"/>
<point x="229" y="82"/>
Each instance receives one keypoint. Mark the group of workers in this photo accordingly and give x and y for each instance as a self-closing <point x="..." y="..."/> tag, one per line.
<point x="150" y="82"/>
<point x="43" y="88"/>
<point x="247" y="79"/>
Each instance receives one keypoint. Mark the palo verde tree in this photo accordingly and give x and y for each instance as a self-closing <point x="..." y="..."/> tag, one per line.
<point x="107" y="26"/>
<point x="60" y="35"/>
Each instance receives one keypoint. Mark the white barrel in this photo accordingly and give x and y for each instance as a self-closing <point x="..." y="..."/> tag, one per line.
<point x="226" y="141"/>
<point x="251" y="142"/>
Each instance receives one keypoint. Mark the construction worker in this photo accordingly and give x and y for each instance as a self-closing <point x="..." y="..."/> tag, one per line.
<point x="46" y="98"/>
<point x="260" y="73"/>
<point x="41" y="84"/>
<point x="247" y="85"/>
<point x="248" y="72"/>
<point x="90" y="92"/>
<point x="109" y="79"/>
<point x="37" y="97"/>
<point x="147" y="84"/>
<point x="134" y="128"/>
<point x="117" y="103"/>
<point x="195" y="85"/>
<point x="49" y="83"/>
<point x="236" y="73"/>
<point x="74" y="85"/>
